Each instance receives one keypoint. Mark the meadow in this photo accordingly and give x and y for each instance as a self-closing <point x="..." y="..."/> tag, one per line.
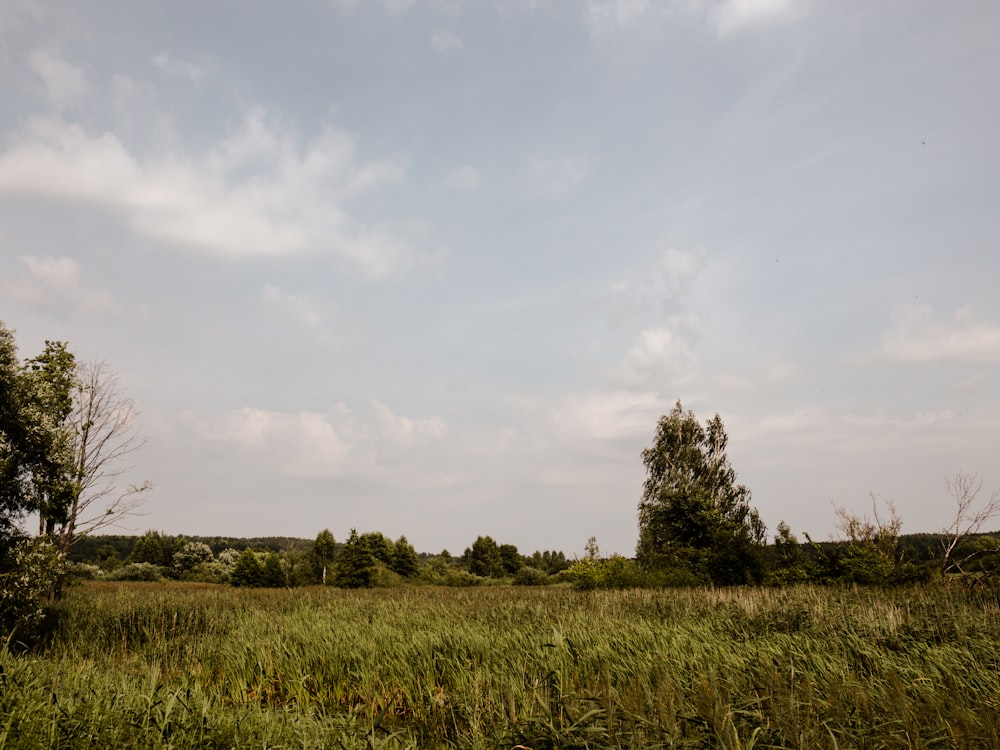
<point x="203" y="666"/>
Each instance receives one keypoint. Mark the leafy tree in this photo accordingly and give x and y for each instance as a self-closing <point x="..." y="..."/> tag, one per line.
<point x="379" y="545"/>
<point x="483" y="558"/>
<point x="324" y="549"/>
<point x="355" y="564"/>
<point x="510" y="559"/>
<point x="35" y="447"/>
<point x="154" y="548"/>
<point x="247" y="571"/>
<point x="190" y="555"/>
<point x="404" y="559"/>
<point x="272" y="575"/>
<point x="692" y="513"/>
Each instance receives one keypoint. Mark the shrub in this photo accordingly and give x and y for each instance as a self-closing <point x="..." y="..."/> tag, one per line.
<point x="141" y="571"/>
<point x="529" y="576"/>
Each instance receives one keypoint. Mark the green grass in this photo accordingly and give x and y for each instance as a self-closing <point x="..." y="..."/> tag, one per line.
<point x="175" y="666"/>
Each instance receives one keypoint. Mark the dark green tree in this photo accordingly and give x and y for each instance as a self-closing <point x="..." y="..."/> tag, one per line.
<point x="510" y="559"/>
<point x="404" y="559"/>
<point x="355" y="564"/>
<point x="324" y="550"/>
<point x="152" y="547"/>
<point x="272" y="575"/>
<point x="247" y="571"/>
<point x="693" y="515"/>
<point x="483" y="558"/>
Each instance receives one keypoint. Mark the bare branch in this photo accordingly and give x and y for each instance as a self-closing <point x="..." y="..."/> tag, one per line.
<point x="103" y="423"/>
<point x="968" y="520"/>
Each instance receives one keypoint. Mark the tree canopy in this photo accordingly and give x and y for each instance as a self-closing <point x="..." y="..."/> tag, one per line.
<point x="693" y="515"/>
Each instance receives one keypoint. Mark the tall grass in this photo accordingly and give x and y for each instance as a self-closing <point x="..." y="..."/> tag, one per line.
<point x="182" y="666"/>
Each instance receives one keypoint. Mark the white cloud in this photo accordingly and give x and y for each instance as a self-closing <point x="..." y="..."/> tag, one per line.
<point x="917" y="336"/>
<point x="335" y="443"/>
<point x="177" y="68"/>
<point x="258" y="192"/>
<point x="55" y="284"/>
<point x="465" y="177"/>
<point x="444" y="41"/>
<point x="661" y="354"/>
<point x="65" y="84"/>
<point x="557" y="176"/>
<point x="735" y="16"/>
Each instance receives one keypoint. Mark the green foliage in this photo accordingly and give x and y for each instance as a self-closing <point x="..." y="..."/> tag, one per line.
<point x="483" y="558"/>
<point x="510" y="559"/>
<point x="28" y="569"/>
<point x="692" y="513"/>
<point x="615" y="572"/>
<point x="356" y="563"/>
<point x="190" y="555"/>
<point x="271" y="573"/>
<point x="323" y="552"/>
<point x="137" y="571"/>
<point x="405" y="562"/>
<point x="35" y="446"/>
<point x="153" y="548"/>
<point x="247" y="571"/>
<point x="530" y="576"/>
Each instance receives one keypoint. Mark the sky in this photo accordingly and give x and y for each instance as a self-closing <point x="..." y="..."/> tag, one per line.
<point x="437" y="267"/>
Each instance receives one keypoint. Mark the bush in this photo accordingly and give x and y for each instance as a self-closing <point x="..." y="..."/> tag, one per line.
<point x="28" y="573"/>
<point x="615" y="572"/>
<point x="141" y="571"/>
<point x="529" y="576"/>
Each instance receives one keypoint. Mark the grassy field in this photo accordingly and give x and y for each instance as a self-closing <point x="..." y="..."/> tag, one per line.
<point x="181" y="666"/>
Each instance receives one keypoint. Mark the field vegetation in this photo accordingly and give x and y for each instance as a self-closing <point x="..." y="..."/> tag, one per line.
<point x="207" y="666"/>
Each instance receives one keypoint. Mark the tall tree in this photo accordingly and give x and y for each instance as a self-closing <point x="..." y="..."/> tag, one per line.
<point x="692" y="513"/>
<point x="324" y="549"/>
<point x="102" y="424"/>
<point x="35" y="444"/>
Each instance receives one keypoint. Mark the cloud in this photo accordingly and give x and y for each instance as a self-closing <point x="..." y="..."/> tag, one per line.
<point x="177" y="68"/>
<point x="55" y="284"/>
<point x="917" y="336"/>
<point x="65" y="84"/>
<point x="557" y="176"/>
<point x="335" y="443"/>
<point x="735" y="16"/>
<point x="258" y="192"/>
<point x="465" y="177"/>
<point x="445" y="41"/>
<point x="662" y="354"/>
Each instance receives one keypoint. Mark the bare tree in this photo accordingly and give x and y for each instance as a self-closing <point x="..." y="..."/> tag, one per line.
<point x="105" y="435"/>
<point x="881" y="532"/>
<point x="970" y="515"/>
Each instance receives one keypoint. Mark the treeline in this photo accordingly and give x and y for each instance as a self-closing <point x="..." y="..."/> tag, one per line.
<point x="373" y="560"/>
<point x="362" y="560"/>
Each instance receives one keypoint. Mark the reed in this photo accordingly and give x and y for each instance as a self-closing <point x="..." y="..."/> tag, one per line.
<point x="201" y="666"/>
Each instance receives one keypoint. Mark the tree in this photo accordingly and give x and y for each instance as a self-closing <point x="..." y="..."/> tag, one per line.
<point x="272" y="575"/>
<point x="483" y="558"/>
<point x="152" y="547"/>
<point x="323" y="551"/>
<point x="247" y="571"/>
<point x="692" y="513"/>
<point x="104" y="433"/>
<point x="35" y="446"/>
<point x="404" y="559"/>
<point x="510" y="559"/>
<point x="969" y="517"/>
<point x="355" y="564"/>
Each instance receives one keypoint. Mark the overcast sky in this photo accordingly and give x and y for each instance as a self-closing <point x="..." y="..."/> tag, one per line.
<point x="436" y="268"/>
